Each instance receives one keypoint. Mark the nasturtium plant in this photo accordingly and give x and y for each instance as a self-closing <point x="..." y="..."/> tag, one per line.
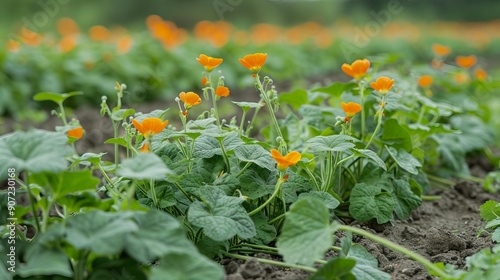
<point x="35" y="151"/>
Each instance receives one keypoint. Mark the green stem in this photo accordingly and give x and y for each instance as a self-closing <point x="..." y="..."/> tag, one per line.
<point x="63" y="113"/>
<point x="443" y="181"/>
<point x="379" y="123"/>
<point x="271" y="262"/>
<point x="421" y="115"/>
<point x="183" y="191"/>
<point x="106" y="177"/>
<point x="224" y="155"/>
<point x="243" y="169"/>
<point x="254" y="117"/>
<point x="277" y="218"/>
<point x="46" y="215"/>
<point x="389" y="244"/>
<point x="361" y="86"/>
<point x="115" y="132"/>
<point x="328" y="171"/>
<point x="263" y="247"/>
<point x="242" y="122"/>
<point x="430" y="197"/>
<point x="470" y="178"/>
<point x="269" y="106"/>
<point x="313" y="178"/>
<point x="275" y="193"/>
<point x="32" y="202"/>
<point x="80" y="267"/>
<point x="153" y="193"/>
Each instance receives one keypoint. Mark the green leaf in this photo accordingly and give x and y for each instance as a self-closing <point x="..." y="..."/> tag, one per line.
<point x="144" y="166"/>
<point x="490" y="210"/>
<point x="475" y="135"/>
<point x="164" y="194"/>
<point x="100" y="232"/>
<point x="122" y="114"/>
<point x="55" y="97"/>
<point x="333" y="143"/>
<point x="370" y="155"/>
<point x="120" y="141"/>
<point x="295" y="98"/>
<point x="227" y="182"/>
<point x="80" y="202"/>
<point x="256" y="182"/>
<point x="495" y="236"/>
<point x="91" y="157"/>
<point x="397" y="136"/>
<point x="266" y="233"/>
<point x="307" y="233"/>
<point x="245" y="106"/>
<point x="256" y="154"/>
<point x="366" y="264"/>
<point x="221" y="216"/>
<point x="336" y="88"/>
<point x="405" y="200"/>
<point x="4" y="274"/>
<point x="186" y="266"/>
<point x="44" y="260"/>
<point x="66" y="182"/>
<point x="329" y="201"/>
<point x="158" y="234"/>
<point x="404" y="160"/>
<point x="206" y="147"/>
<point x="370" y="202"/>
<point x="492" y="182"/>
<point x="36" y="151"/>
<point x="335" y="269"/>
<point x="211" y="248"/>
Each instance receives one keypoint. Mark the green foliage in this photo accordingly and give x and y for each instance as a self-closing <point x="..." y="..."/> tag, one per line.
<point x="36" y="151"/>
<point x="307" y="233"/>
<point x="221" y="216"/>
<point x="144" y="166"/>
<point x="369" y="202"/>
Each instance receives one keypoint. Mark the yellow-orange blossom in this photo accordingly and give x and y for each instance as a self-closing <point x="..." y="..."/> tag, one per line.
<point x="357" y="69"/>
<point x="149" y="126"/>
<point x="383" y="84"/>
<point x="285" y="161"/>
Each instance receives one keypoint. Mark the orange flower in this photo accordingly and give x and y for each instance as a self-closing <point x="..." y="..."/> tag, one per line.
<point x="465" y="61"/>
<point x="357" y="69"/>
<point x="350" y="109"/>
<point x="67" y="27"/>
<point x="481" y="74"/>
<point x="222" y="91"/>
<point x="76" y="132"/>
<point x="285" y="161"/>
<point x="383" y="84"/>
<point x="150" y="126"/>
<point x="124" y="44"/>
<point x="461" y="77"/>
<point x="209" y="62"/>
<point x="190" y="99"/>
<point x="145" y="148"/>
<point x="440" y="50"/>
<point x="204" y="81"/>
<point x="425" y="81"/>
<point x="67" y="44"/>
<point x="13" y="46"/>
<point x="99" y="33"/>
<point x="253" y="62"/>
